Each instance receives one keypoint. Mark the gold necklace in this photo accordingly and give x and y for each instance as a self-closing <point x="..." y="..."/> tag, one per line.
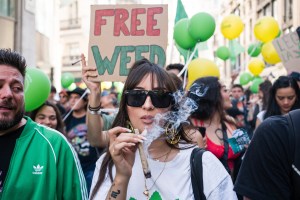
<point x="146" y="192"/>
<point x="157" y="158"/>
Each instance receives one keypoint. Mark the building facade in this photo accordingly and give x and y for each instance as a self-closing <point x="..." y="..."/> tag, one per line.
<point x="284" y="11"/>
<point x="29" y="28"/>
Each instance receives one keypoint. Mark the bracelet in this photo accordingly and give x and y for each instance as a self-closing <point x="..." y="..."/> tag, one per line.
<point x="94" y="108"/>
<point x="95" y="112"/>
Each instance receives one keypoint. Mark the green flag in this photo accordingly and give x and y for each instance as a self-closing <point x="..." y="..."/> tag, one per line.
<point x="180" y="12"/>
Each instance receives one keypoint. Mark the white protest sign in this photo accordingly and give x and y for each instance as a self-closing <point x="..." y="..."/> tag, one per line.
<point x="288" y="49"/>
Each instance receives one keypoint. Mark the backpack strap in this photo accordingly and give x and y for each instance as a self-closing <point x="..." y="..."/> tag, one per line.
<point x="224" y="158"/>
<point x="293" y="119"/>
<point x="197" y="173"/>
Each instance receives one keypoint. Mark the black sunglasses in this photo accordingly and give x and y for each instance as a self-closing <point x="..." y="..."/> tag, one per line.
<point x="159" y="98"/>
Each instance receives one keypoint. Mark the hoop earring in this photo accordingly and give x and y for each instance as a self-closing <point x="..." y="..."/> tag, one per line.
<point x="172" y="134"/>
<point x="129" y="126"/>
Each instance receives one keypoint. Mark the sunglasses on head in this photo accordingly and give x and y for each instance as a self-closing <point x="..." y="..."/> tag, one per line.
<point x="159" y="98"/>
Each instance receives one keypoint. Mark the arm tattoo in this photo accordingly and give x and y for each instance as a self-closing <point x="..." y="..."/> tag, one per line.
<point x="114" y="194"/>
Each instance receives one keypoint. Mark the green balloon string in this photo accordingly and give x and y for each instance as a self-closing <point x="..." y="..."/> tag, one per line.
<point x="235" y="49"/>
<point x="232" y="54"/>
<point x="188" y="61"/>
<point x="185" y="72"/>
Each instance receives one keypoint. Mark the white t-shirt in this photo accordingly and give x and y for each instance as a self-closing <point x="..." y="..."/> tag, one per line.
<point x="174" y="181"/>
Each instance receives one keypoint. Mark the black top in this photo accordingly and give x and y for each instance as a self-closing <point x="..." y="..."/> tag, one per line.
<point x="7" y="146"/>
<point x="76" y="133"/>
<point x="266" y="169"/>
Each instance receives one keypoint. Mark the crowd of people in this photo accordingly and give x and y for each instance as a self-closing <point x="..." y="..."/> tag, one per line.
<point x="91" y="145"/>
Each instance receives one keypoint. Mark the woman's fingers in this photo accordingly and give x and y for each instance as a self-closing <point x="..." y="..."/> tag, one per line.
<point x="83" y="61"/>
<point x="122" y="140"/>
<point x="87" y="68"/>
<point x="90" y="73"/>
<point x="87" y="71"/>
<point x="125" y="137"/>
<point x="118" y="148"/>
<point x="112" y="133"/>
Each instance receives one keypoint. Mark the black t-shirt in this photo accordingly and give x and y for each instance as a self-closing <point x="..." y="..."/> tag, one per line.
<point x="76" y="132"/>
<point x="267" y="166"/>
<point x="7" y="146"/>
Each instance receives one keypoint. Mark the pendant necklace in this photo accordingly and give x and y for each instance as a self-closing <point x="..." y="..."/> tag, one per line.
<point x="146" y="191"/>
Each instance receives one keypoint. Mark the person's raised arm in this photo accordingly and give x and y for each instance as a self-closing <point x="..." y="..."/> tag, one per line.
<point x="95" y="135"/>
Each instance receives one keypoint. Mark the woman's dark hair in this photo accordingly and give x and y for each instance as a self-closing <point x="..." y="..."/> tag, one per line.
<point x="176" y="80"/>
<point x="265" y="87"/>
<point x="60" y="124"/>
<point x="206" y="92"/>
<point x="282" y="82"/>
<point x="137" y="73"/>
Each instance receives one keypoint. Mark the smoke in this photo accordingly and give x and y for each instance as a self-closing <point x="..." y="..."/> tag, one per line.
<point x="178" y="115"/>
<point x="199" y="90"/>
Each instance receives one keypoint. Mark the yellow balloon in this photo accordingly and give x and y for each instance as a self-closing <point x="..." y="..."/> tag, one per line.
<point x="270" y="54"/>
<point x="201" y="67"/>
<point x="232" y="26"/>
<point x="266" y="29"/>
<point x="256" y="66"/>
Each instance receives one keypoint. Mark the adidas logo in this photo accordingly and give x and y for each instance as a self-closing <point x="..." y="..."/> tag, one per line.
<point x="38" y="169"/>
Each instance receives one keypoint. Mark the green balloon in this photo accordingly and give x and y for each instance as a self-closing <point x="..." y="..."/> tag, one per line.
<point x="254" y="50"/>
<point x="67" y="79"/>
<point x="182" y="36"/>
<point x="202" y="26"/>
<point x="255" y="84"/>
<point x="37" y="88"/>
<point x="245" y="78"/>
<point x="223" y="53"/>
<point x="72" y="87"/>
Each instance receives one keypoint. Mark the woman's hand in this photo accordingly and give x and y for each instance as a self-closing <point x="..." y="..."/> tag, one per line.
<point x="89" y="72"/>
<point x="123" y="145"/>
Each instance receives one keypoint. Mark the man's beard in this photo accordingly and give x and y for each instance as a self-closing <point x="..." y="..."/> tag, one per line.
<point x="5" y="124"/>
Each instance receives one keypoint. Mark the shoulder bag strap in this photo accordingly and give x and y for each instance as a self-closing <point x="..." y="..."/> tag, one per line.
<point x="197" y="173"/>
<point x="293" y="119"/>
<point x="226" y="149"/>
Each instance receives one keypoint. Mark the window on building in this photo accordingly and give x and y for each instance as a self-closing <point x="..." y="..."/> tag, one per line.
<point x="237" y="11"/>
<point x="288" y="10"/>
<point x="251" y="29"/>
<point x="74" y="49"/>
<point x="274" y="9"/>
<point x="73" y="10"/>
<point x="7" y="8"/>
<point x="260" y="14"/>
<point x="72" y="54"/>
<point x="268" y="10"/>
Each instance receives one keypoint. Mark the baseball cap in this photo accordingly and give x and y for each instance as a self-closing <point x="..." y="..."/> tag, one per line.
<point x="78" y="91"/>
